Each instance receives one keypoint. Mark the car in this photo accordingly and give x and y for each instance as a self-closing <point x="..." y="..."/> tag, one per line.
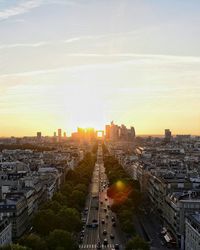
<point x="89" y="225"/>
<point x="82" y="233"/>
<point x="83" y="220"/>
<point x="99" y="245"/>
<point x="112" y="236"/>
<point x="108" y="206"/>
<point x="103" y="221"/>
<point x="107" y="216"/>
<point x="105" y="242"/>
<point x="162" y="242"/>
<point x="80" y="241"/>
<point x="101" y="202"/>
<point x="114" y="224"/>
<point x="113" y="219"/>
<point x="106" y="199"/>
<point x="95" y="221"/>
<point x="95" y="225"/>
<point x="104" y="232"/>
<point x="105" y="210"/>
<point x="116" y="246"/>
<point x="85" y="211"/>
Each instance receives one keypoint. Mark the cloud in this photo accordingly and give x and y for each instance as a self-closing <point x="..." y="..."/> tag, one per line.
<point x="130" y="58"/>
<point x="31" y="45"/>
<point x="19" y="9"/>
<point x="72" y="39"/>
<point x="46" y="43"/>
<point x="27" y="5"/>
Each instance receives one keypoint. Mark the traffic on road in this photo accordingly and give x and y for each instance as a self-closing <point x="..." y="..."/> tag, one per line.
<point x="100" y="230"/>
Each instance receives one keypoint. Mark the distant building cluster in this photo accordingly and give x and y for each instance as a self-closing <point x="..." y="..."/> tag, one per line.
<point x="28" y="179"/>
<point x="119" y="133"/>
<point x="84" y="135"/>
<point x="168" y="171"/>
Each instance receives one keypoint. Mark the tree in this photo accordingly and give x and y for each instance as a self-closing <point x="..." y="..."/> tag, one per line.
<point x="128" y="227"/>
<point x="55" y="206"/>
<point x="45" y="221"/>
<point x="81" y="187"/>
<point x="77" y="199"/>
<point x="60" y="239"/>
<point x="14" y="247"/>
<point x="67" y="188"/>
<point x="69" y="220"/>
<point x="34" y="242"/>
<point x="137" y="243"/>
<point x="125" y="214"/>
<point x="60" y="198"/>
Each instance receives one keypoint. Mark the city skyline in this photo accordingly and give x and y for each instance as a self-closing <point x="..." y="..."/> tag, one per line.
<point x="84" y="63"/>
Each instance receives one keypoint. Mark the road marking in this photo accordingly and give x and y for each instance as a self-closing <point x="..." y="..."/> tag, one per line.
<point x="95" y="246"/>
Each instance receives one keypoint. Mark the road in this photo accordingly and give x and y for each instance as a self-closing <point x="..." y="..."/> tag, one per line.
<point x="101" y="228"/>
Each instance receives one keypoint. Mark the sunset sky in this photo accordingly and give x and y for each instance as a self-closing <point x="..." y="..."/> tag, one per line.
<point x="85" y="63"/>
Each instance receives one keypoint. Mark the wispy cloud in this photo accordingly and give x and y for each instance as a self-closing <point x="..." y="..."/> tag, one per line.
<point x="73" y="39"/>
<point x="27" y="5"/>
<point x="21" y="8"/>
<point x="131" y="58"/>
<point x="29" y="45"/>
<point x="45" y="43"/>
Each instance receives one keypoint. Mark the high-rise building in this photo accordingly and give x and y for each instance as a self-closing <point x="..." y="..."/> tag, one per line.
<point x="54" y="137"/>
<point x="114" y="132"/>
<point x="168" y="135"/>
<point x="123" y="133"/>
<point x="59" y="135"/>
<point x="119" y="133"/>
<point x="39" y="135"/>
<point x="107" y="132"/>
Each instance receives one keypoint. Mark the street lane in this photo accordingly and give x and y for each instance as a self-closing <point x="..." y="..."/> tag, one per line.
<point x="96" y="203"/>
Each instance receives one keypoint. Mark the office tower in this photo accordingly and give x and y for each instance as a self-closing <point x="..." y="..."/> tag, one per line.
<point x="168" y="135"/>
<point x="107" y="132"/>
<point x="114" y="132"/>
<point x="54" y="139"/>
<point x="39" y="135"/>
<point x="132" y="133"/>
<point x="59" y="135"/>
<point x="123" y="133"/>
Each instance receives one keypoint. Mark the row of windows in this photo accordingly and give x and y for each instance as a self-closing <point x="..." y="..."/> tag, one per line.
<point x="6" y="238"/>
<point x="192" y="237"/>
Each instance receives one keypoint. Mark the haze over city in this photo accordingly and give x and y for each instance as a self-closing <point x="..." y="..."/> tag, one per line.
<point x="85" y="63"/>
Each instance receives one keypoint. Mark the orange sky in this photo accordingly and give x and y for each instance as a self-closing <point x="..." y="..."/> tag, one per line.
<point x="64" y="64"/>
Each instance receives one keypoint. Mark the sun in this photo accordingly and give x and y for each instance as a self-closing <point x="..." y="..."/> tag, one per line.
<point x="85" y="108"/>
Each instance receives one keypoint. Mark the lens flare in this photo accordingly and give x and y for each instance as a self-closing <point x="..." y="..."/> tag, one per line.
<point x="120" y="185"/>
<point x="119" y="192"/>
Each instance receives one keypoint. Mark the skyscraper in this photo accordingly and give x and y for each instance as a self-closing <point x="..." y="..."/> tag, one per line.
<point x="168" y="135"/>
<point x="114" y="132"/>
<point x="107" y="132"/>
<point x="59" y="135"/>
<point x="39" y="135"/>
